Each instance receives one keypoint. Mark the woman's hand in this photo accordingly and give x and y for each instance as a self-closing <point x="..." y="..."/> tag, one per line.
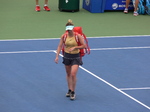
<point x="56" y="60"/>
<point x="71" y="49"/>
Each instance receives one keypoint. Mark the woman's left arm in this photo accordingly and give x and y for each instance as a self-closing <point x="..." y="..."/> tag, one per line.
<point x="82" y="46"/>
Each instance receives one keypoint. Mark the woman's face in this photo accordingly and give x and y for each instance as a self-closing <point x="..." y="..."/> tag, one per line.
<point x="70" y="31"/>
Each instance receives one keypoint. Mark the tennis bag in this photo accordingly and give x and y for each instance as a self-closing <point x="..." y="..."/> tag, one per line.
<point x="147" y="7"/>
<point x="78" y="30"/>
<point x="144" y="7"/>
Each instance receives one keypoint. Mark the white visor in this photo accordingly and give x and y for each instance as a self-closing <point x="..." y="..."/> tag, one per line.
<point x="69" y="27"/>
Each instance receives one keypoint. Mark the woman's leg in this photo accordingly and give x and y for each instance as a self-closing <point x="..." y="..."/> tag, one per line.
<point x="46" y="6"/>
<point x="37" y="2"/>
<point x="37" y="8"/>
<point x="136" y="5"/>
<point x="74" y="70"/>
<point x="68" y="76"/>
<point x="127" y="3"/>
<point x="71" y="76"/>
<point x="46" y="2"/>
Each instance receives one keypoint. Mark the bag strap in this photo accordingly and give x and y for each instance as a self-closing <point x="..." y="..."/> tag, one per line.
<point x="87" y="45"/>
<point x="64" y="37"/>
<point x="76" y="38"/>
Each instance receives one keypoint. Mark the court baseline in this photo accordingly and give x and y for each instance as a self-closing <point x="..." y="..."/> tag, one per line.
<point x="121" y="48"/>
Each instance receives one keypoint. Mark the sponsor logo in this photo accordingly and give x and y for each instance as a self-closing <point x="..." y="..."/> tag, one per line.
<point x="114" y="5"/>
<point x="87" y="2"/>
<point x="67" y="1"/>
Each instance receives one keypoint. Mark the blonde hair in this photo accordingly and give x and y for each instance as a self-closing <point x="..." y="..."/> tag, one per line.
<point x="69" y="22"/>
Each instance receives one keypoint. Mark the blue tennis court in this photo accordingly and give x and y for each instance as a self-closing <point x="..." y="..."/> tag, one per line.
<point x="114" y="77"/>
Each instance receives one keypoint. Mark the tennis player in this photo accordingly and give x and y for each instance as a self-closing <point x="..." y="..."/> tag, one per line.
<point x="71" y="58"/>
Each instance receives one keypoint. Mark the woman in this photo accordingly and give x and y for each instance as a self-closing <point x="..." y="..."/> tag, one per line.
<point x="71" y="58"/>
<point x="135" y="13"/>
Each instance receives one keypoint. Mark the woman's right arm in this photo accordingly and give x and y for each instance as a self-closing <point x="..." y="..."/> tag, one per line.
<point x="59" y="49"/>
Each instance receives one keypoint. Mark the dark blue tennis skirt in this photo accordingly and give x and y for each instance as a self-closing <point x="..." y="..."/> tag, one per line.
<point x="72" y="59"/>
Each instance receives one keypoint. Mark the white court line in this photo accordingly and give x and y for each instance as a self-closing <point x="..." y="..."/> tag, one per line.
<point x="134" y="88"/>
<point x="112" y="86"/>
<point x="125" y="36"/>
<point x="136" y="36"/>
<point x="19" y="52"/>
<point x="30" y="39"/>
<point x="145" y="47"/>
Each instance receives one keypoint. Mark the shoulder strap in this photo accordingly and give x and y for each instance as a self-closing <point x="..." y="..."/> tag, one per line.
<point x="64" y="37"/>
<point x="76" y="38"/>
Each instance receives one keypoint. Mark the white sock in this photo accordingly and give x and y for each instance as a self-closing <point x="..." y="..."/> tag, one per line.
<point x="45" y="5"/>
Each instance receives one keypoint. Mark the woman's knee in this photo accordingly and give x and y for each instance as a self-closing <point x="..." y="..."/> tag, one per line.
<point x="73" y="74"/>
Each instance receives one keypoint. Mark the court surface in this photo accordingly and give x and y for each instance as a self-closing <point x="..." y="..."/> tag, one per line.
<point x="114" y="78"/>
